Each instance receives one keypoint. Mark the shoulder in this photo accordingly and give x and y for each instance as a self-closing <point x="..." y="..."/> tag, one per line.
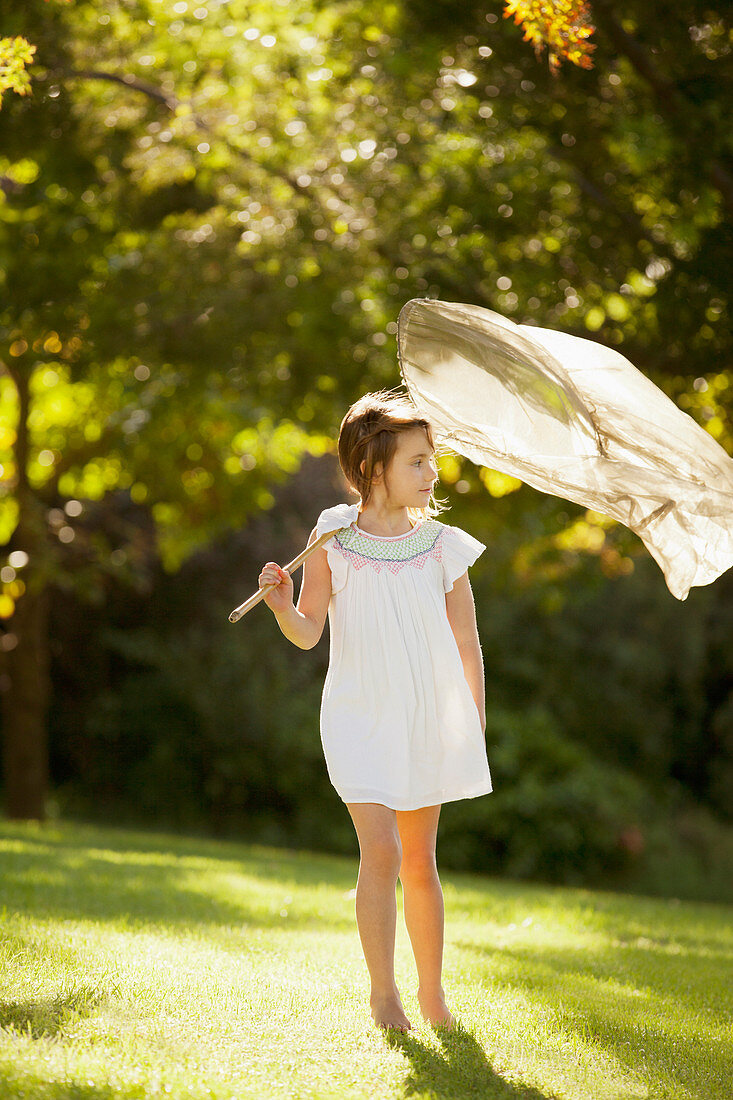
<point x="458" y="551"/>
<point x="457" y="536"/>
<point x="430" y="532"/>
<point x="336" y="518"/>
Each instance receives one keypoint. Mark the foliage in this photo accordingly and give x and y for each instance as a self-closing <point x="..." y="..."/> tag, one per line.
<point x="445" y="178"/>
<point x="563" y="27"/>
<point x="209" y="220"/>
<point x="15" y="56"/>
<point x="558" y="814"/>
<point x="207" y="726"/>
<point x="230" y="758"/>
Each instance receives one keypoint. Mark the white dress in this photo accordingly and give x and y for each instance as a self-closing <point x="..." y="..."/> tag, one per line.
<point x="399" y="725"/>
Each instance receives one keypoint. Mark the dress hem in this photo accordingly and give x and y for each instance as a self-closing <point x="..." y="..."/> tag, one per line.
<point x="437" y="798"/>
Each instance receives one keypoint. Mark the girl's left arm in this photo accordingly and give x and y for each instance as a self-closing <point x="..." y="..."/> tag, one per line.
<point x="462" y="618"/>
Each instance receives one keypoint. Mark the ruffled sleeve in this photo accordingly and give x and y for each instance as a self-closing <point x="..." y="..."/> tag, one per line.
<point x="335" y="519"/>
<point x="459" y="551"/>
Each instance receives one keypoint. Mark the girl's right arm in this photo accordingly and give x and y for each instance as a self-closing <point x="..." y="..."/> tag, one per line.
<point x="301" y="625"/>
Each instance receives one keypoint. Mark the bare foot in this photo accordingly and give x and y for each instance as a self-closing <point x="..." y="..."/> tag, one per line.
<point x="388" y="1012"/>
<point x="435" y="1010"/>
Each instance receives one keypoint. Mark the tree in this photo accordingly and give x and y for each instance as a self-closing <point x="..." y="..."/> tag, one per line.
<point x="210" y="223"/>
<point x="561" y="26"/>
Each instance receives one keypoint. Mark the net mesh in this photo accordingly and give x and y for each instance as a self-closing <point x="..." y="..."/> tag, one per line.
<point x="576" y="419"/>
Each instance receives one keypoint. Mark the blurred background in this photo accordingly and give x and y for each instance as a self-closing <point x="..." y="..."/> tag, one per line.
<point x="211" y="214"/>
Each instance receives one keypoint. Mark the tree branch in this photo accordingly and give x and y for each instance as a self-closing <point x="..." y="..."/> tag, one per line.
<point x="172" y="103"/>
<point x="127" y="80"/>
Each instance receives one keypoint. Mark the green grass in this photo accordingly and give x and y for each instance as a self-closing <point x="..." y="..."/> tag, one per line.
<point x="136" y="965"/>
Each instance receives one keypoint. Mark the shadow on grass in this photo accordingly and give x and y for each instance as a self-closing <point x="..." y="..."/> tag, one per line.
<point x="460" y="1071"/>
<point x="47" y="1017"/>
<point x="33" y="1087"/>
<point x="649" y="1012"/>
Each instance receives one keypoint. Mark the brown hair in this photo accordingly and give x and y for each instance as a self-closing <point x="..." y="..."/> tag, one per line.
<point x="368" y="435"/>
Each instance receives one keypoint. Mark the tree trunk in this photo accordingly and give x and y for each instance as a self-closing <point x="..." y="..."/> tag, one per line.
<point x="25" y="680"/>
<point x="25" y="701"/>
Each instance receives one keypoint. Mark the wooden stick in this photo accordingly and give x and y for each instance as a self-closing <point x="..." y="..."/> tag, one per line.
<point x="253" y="600"/>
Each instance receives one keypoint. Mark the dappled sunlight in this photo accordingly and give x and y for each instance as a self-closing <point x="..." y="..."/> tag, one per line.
<point x="647" y="985"/>
<point x="65" y="879"/>
<point x="618" y="998"/>
<point x="211" y="215"/>
<point x="238" y="967"/>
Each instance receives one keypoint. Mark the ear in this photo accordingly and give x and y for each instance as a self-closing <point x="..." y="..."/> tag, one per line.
<point x="377" y="470"/>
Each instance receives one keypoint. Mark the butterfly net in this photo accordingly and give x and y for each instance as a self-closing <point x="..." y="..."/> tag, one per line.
<point x="576" y="419"/>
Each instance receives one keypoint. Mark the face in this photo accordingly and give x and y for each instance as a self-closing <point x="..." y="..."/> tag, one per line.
<point x="412" y="472"/>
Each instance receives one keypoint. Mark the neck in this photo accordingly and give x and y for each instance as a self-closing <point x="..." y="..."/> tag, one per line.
<point x="380" y="518"/>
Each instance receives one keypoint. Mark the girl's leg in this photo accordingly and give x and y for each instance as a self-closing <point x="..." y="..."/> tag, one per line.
<point x="423" y="904"/>
<point x="376" y="906"/>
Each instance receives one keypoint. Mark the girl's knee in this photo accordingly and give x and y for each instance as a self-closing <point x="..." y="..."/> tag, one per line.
<point x="419" y="866"/>
<point x="382" y="854"/>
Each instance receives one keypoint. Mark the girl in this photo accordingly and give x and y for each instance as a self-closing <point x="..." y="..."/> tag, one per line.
<point x="403" y="713"/>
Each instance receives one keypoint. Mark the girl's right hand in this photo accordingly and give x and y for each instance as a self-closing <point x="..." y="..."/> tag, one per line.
<point x="280" y="598"/>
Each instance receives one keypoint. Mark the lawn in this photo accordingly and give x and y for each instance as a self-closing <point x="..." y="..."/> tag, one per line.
<point x="140" y="965"/>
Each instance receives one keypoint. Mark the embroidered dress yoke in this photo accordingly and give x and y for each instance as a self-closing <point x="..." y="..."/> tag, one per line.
<point x="399" y="725"/>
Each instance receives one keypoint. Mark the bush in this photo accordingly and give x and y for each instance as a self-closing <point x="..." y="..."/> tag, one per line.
<point x="556" y="813"/>
<point x="214" y="727"/>
<point x="210" y="727"/>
